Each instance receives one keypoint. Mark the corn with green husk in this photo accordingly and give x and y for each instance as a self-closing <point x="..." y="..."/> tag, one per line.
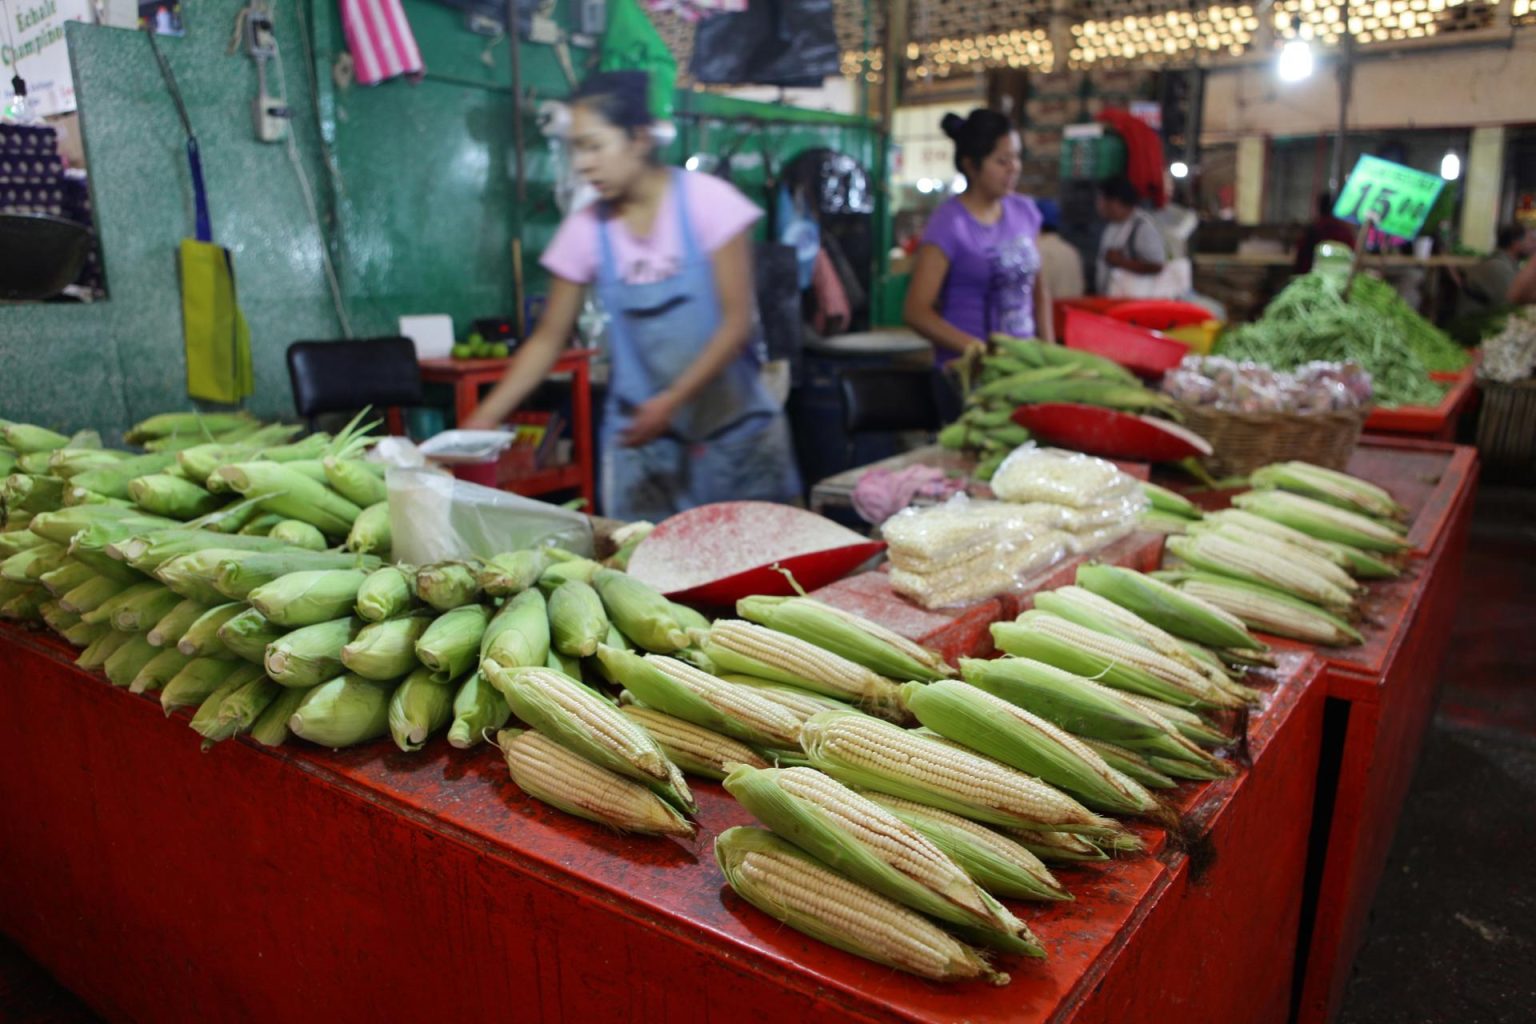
<point x="1330" y="486"/>
<point x="450" y="646"/>
<point x="59" y="619"/>
<point x="1270" y="610"/>
<point x="871" y="754"/>
<point x="24" y="437"/>
<point x="61" y="527"/>
<point x="173" y="625"/>
<point x="548" y="772"/>
<point x="1170" y="502"/>
<point x="419" y="707"/>
<point x="271" y="727"/>
<point x="247" y="635"/>
<point x="748" y="649"/>
<point x="511" y="573"/>
<point x="792" y="887"/>
<point x="447" y="585"/>
<point x="385" y="594"/>
<point x="89" y="596"/>
<point x="1005" y="732"/>
<point x="1292" y="555"/>
<point x="693" y="748"/>
<point x="158" y="671"/>
<point x="582" y="570"/>
<point x="261" y="525"/>
<point x="239" y="578"/>
<point x="1167" y="607"/>
<point x="66" y="462"/>
<point x="170" y="424"/>
<point x="518" y="635"/>
<point x="30" y="565"/>
<point x="128" y="659"/>
<point x="290" y="493"/>
<point x="1188" y="724"/>
<point x="24" y="605"/>
<point x="299" y="535"/>
<point x="167" y="495"/>
<point x="857" y="639"/>
<point x="25" y="493"/>
<point x="683" y="691"/>
<point x="1278" y="531"/>
<point x="1057" y="847"/>
<point x="360" y="482"/>
<point x="104" y="610"/>
<point x="14" y="540"/>
<point x="139" y="614"/>
<point x="66" y="577"/>
<point x="1132" y="764"/>
<point x="84" y="634"/>
<point x="569" y="666"/>
<point x="478" y="708"/>
<point x="999" y="865"/>
<point x="148" y="551"/>
<point x="232" y="710"/>
<point x="95" y="656"/>
<point x="642" y="614"/>
<point x="1323" y="521"/>
<point x="1222" y="556"/>
<point x="112" y="481"/>
<point x="231" y="518"/>
<point x="305" y="598"/>
<point x="343" y="712"/>
<point x="201" y="639"/>
<point x="577" y="623"/>
<point x="200" y="677"/>
<point x="579" y="720"/>
<point x="385" y="650"/>
<point x="312" y="654"/>
<point x="370" y="533"/>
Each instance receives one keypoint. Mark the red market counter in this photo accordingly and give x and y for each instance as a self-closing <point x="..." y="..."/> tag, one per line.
<point x="162" y="883"/>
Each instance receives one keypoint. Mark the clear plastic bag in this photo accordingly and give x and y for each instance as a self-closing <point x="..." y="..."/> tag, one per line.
<point x="435" y="517"/>
<point x="1035" y="474"/>
<point x="997" y="571"/>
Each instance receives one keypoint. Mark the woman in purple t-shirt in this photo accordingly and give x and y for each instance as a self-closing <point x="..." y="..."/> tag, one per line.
<point x="978" y="268"/>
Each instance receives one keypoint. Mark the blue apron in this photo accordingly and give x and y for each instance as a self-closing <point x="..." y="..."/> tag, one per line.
<point x="730" y="441"/>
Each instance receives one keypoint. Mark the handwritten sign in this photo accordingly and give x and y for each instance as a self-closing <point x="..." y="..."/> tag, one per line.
<point x="1398" y="197"/>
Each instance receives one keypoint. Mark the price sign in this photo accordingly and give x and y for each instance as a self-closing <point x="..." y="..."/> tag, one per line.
<point x="1399" y="197"/>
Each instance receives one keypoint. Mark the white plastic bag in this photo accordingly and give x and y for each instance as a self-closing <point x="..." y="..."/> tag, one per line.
<point x="434" y="517"/>
<point x="1034" y="474"/>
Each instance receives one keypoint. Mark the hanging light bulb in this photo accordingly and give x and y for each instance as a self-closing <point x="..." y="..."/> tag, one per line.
<point x="1450" y="166"/>
<point x="1179" y="169"/>
<point x="1295" y="62"/>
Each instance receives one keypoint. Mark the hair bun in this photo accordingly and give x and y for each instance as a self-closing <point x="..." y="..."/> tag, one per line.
<point x="953" y="124"/>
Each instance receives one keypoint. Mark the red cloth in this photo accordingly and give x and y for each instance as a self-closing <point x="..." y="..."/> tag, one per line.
<point x="380" y="39"/>
<point x="1144" y="153"/>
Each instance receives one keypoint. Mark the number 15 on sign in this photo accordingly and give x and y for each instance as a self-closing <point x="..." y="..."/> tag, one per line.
<point x="1398" y="198"/>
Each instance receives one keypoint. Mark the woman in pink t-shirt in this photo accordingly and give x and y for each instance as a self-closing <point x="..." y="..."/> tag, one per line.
<point x="687" y="420"/>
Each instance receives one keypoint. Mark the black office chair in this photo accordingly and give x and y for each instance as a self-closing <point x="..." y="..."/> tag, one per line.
<point x="345" y="376"/>
<point x="887" y="400"/>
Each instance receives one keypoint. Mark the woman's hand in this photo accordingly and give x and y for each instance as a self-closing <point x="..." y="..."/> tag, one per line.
<point x="650" y="421"/>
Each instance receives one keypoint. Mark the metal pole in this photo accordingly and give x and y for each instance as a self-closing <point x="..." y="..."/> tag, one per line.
<point x="897" y="14"/>
<point x="519" y="167"/>
<point x="1346" y="87"/>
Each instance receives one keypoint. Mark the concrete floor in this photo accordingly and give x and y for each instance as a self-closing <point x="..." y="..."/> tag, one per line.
<point x="1453" y="929"/>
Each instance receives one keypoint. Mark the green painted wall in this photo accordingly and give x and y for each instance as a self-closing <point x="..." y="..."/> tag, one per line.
<point x="419" y="216"/>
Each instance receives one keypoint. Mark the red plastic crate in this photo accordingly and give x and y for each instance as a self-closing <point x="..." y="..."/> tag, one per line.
<point x="1436" y="421"/>
<point x="1159" y="314"/>
<point x="1086" y="303"/>
<point x="1139" y="350"/>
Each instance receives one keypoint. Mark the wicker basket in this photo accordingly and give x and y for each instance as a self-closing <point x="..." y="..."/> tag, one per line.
<point x="1244" y="441"/>
<point x="1506" y="429"/>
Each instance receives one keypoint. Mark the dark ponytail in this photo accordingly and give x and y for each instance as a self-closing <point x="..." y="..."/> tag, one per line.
<point x="976" y="136"/>
<point x="620" y="98"/>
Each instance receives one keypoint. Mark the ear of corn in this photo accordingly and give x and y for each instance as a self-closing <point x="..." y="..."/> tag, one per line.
<point x="668" y="685"/>
<point x="451" y="644"/>
<point x="871" y="754"/>
<point x="290" y="493"/>
<point x="689" y="618"/>
<point x="447" y="585"/>
<point x="579" y="720"/>
<point x="791" y="887"/>
<point x="307" y="597"/>
<point x="1365" y="565"/>
<point x="158" y="671"/>
<point x="260" y="525"/>
<point x="1131" y="764"/>
<point x="193" y="575"/>
<point x="1170" y="502"/>
<point x="643" y="615"/>
<point x="518" y="635"/>
<point x="867" y="844"/>
<point x="247" y="635"/>
<point x="386" y="650"/>
<point x="239" y="712"/>
<point x="355" y="480"/>
<point x="128" y="659"/>
<point x="201" y="639"/>
<point x="140" y="614"/>
<point x="998" y="864"/>
<point x="577" y="622"/>
<point x="196" y="424"/>
<point x="32" y="563"/>
<point x="385" y="594"/>
<point x="693" y="748"/>
<point x="565" y="570"/>
<point x="1116" y="663"/>
<point x="198" y="678"/>
<point x="173" y="625"/>
<point x="310" y="655"/>
<point x="1056" y="847"/>
<point x="1190" y="725"/>
<point x="549" y="772"/>
<point x="26" y="605"/>
<point x="1321" y="520"/>
<point x="102" y="648"/>
<point x="419" y="707"/>
<point x="511" y="573"/>
<point x="1270" y="610"/>
<point x="229" y="518"/>
<point x="1299" y="556"/>
<point x="748" y="649"/>
<point x="798" y="702"/>
<point x="148" y="551"/>
<point x="83" y="634"/>
<point x="343" y="712"/>
<point x="370" y="533"/>
<point x="241" y="579"/>
<point x="992" y="726"/>
<point x="58" y="619"/>
<point x="860" y="641"/>
<point x="106" y="611"/>
<point x="66" y="462"/>
<point x="564" y="664"/>
<point x="271" y="727"/>
<point x="1329" y="485"/>
<point x="299" y="535"/>
<point x="478" y="707"/>
<point x="1278" y="531"/>
<point x="90" y="595"/>
<point x="14" y="540"/>
<point x="24" y="438"/>
<point x="1222" y="556"/>
<point x="165" y="495"/>
<point x="1166" y="607"/>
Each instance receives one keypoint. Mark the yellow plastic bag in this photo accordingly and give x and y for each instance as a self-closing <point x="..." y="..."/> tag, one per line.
<point x="218" y="341"/>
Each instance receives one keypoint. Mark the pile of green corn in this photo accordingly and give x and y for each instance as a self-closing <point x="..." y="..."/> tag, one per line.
<point x="1022" y="372"/>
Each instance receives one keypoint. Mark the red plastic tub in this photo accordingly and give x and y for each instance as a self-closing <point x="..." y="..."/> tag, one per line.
<point x="1086" y="303"/>
<point x="1159" y="314"/>
<point x="1139" y="350"/>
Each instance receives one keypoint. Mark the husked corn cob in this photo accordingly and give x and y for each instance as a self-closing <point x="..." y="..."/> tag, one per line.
<point x="511" y="573"/>
<point x="1328" y="485"/>
<point x="678" y="689"/>
<point x="1270" y="610"/>
<point x="791" y="887"/>
<point x="419" y="707"/>
<point x="1221" y="556"/>
<point x="451" y="644"/>
<point x="343" y="712"/>
<point x="999" y="865"/>
<point x="201" y="639"/>
<point x="860" y="641"/>
<point x="1166" y="607"/>
<point x="386" y="592"/>
<point x="549" y="772"/>
<point x="1132" y="764"/>
<point x="577" y="622"/>
<point x="640" y="612"/>
<point x="478" y="708"/>
<point x="693" y="748"/>
<point x="797" y="701"/>
<point x="991" y="726"/>
<point x="1301" y="557"/>
<point x="583" y="722"/>
<point x="873" y="847"/>
<point x="872" y="754"/>
<point x="1321" y="520"/>
<point x="749" y="649"/>
<point x="1258" y="524"/>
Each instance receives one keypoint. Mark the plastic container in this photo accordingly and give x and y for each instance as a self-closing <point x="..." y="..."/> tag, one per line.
<point x="1088" y="303"/>
<point x="1159" y="314"/>
<point x="1139" y="350"/>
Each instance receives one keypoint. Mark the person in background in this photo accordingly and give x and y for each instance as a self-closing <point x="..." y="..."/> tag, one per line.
<point x="1061" y="263"/>
<point x="688" y="420"/>
<point x="977" y="271"/>
<point x="1485" y="287"/>
<point x="1523" y="291"/>
<point x="1325" y="227"/>
<point x="1131" y="250"/>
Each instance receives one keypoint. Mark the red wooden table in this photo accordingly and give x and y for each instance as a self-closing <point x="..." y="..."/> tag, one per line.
<point x="161" y="883"/>
<point x="468" y="376"/>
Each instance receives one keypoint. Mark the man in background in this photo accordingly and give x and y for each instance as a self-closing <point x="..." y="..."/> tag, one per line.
<point x="1131" y="249"/>
<point x="1485" y="287"/>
